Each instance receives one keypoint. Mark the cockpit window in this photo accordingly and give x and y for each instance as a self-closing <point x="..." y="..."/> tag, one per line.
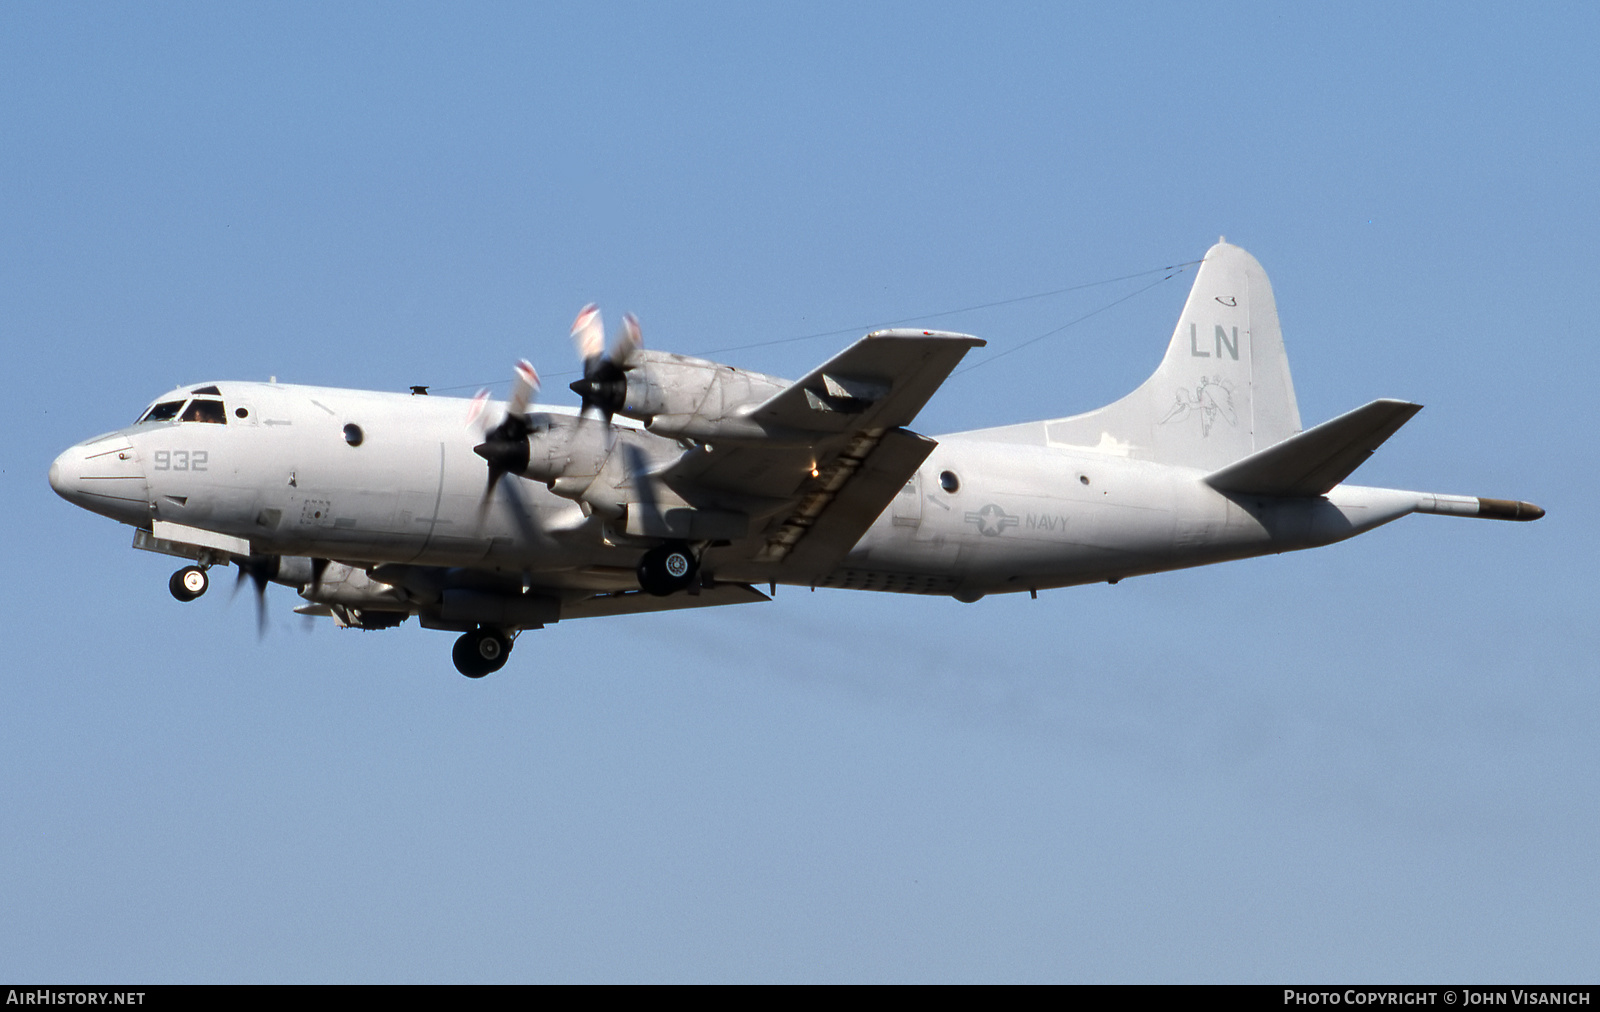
<point x="204" y="409"/>
<point x="212" y="390"/>
<point x="165" y="411"/>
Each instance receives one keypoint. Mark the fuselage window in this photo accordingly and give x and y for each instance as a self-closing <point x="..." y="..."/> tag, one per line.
<point x="204" y="410"/>
<point x="166" y="411"/>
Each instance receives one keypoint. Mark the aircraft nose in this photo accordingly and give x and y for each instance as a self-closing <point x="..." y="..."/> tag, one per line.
<point x="66" y="474"/>
<point x="58" y="476"/>
<point x="102" y="475"/>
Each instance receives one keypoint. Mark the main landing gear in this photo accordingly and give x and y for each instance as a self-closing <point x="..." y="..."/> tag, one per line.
<point x="188" y="583"/>
<point x="481" y="651"/>
<point x="667" y="569"/>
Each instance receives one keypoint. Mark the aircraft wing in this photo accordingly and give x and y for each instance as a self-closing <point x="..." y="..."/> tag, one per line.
<point x="827" y="521"/>
<point x="841" y="453"/>
<point x="880" y="382"/>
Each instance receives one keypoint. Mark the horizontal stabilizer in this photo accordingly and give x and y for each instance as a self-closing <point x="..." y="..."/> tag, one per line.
<point x="1314" y="461"/>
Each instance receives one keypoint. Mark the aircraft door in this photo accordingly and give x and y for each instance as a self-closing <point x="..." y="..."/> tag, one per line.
<point x="906" y="510"/>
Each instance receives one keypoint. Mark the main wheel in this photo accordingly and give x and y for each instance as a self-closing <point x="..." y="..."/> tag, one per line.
<point x="188" y="583"/>
<point x="481" y="651"/>
<point x="666" y="570"/>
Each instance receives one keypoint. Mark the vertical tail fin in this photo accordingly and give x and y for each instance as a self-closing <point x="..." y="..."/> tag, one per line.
<point x="1223" y="390"/>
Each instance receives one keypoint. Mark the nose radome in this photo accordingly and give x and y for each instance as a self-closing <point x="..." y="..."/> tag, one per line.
<point x="103" y="476"/>
<point x="64" y="472"/>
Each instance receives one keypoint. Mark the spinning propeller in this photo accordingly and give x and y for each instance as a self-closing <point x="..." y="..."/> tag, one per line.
<point x="505" y="446"/>
<point x="604" y="386"/>
<point x="259" y="569"/>
<point x="263" y="569"/>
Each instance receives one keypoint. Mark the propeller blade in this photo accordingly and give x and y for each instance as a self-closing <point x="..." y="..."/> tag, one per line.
<point x="524" y="388"/>
<point x="260" y="569"/>
<point x="488" y="496"/>
<point x="588" y="333"/>
<point x="628" y="341"/>
<point x="516" y="506"/>
<point x="260" y="578"/>
<point x="480" y="400"/>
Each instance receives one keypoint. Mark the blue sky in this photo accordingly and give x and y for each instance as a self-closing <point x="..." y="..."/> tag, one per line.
<point x="1374" y="761"/>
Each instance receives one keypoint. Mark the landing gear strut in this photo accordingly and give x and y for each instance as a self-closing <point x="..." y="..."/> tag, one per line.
<point x="481" y="651"/>
<point x="667" y="569"/>
<point x="188" y="583"/>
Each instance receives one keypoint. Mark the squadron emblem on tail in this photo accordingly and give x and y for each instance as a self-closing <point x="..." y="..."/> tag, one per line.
<point x="1211" y="399"/>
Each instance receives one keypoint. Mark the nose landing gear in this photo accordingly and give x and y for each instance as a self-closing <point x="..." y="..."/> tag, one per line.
<point x="188" y="583"/>
<point x="481" y="651"/>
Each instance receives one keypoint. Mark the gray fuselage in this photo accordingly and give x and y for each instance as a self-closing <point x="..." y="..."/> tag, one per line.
<point x="286" y="473"/>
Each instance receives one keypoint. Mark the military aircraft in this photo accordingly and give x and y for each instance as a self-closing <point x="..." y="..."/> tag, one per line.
<point x="683" y="483"/>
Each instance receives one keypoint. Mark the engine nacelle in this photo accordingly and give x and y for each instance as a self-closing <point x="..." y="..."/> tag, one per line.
<point x="568" y="448"/>
<point x="691" y="398"/>
<point x="585" y="461"/>
<point x="354" y="588"/>
<point x="608" y="470"/>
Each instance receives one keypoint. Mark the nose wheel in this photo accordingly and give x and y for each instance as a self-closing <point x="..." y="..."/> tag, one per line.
<point x="481" y="651"/>
<point x="188" y="583"/>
